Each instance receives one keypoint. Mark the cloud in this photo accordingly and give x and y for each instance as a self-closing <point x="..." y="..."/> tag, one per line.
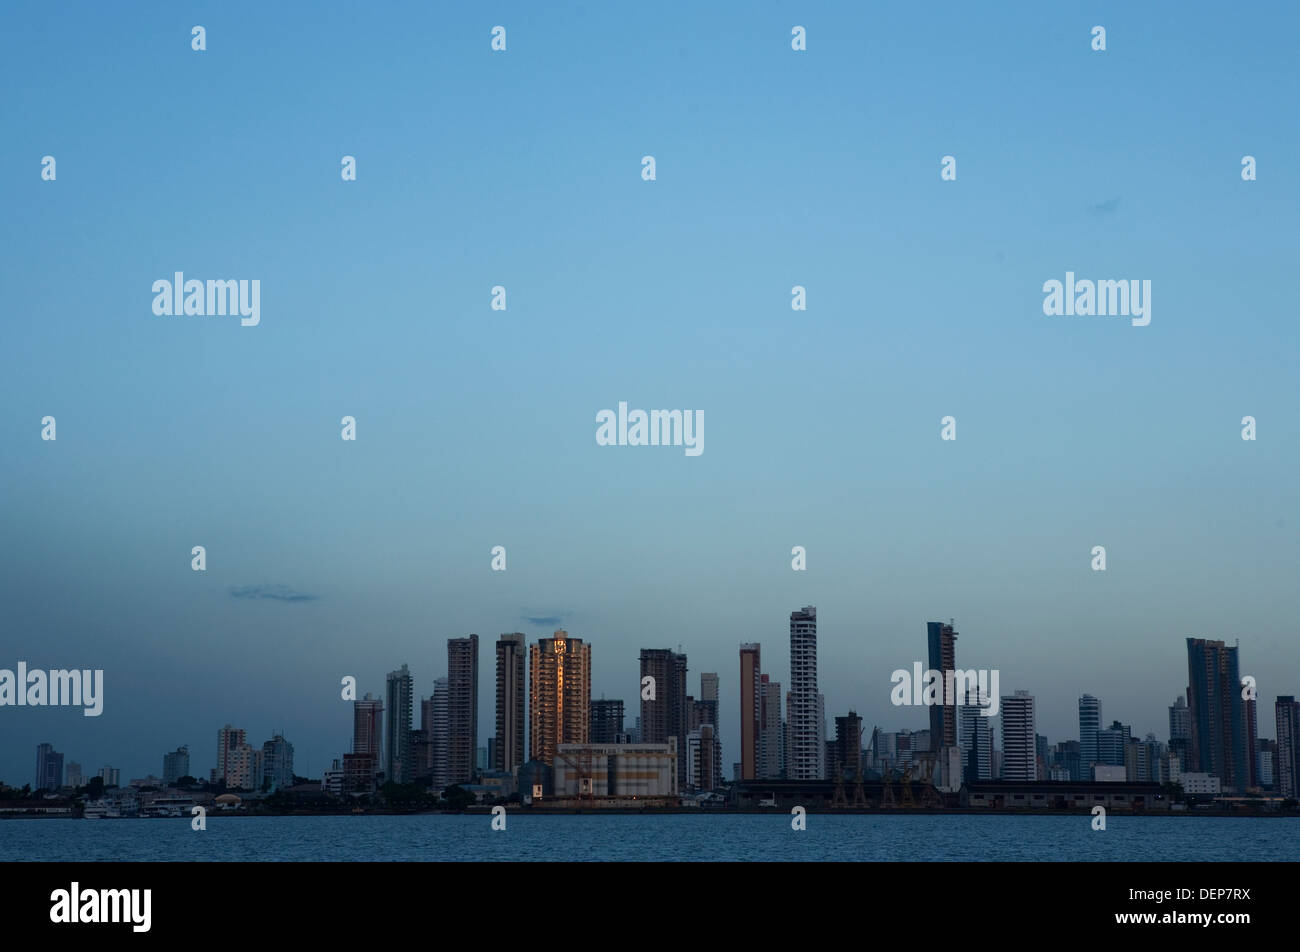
<point x="1107" y="207"/>
<point x="279" y="593"/>
<point x="547" y="621"/>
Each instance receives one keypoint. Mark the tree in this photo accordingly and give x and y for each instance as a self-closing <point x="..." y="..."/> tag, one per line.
<point x="95" y="788"/>
<point x="457" y="798"/>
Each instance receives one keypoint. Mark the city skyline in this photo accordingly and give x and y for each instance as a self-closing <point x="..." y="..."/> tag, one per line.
<point x="671" y="668"/>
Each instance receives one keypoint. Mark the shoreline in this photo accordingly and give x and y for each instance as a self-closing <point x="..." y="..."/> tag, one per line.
<point x="671" y="811"/>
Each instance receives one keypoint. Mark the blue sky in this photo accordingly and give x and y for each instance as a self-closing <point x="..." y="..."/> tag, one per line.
<point x="476" y="427"/>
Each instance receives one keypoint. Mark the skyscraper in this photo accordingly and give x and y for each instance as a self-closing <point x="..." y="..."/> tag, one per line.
<point x="462" y="707"/>
<point x="427" y="739"/>
<point x="807" y="740"/>
<point x="943" y="658"/>
<point x="1019" y="753"/>
<point x="1180" y="729"/>
<point x="49" y="768"/>
<point x="703" y="758"/>
<point x="709" y="697"/>
<point x="771" y="731"/>
<point x="508" y="751"/>
<point x="397" y="727"/>
<point x="606" y="721"/>
<point x="277" y="763"/>
<point x="176" y="765"/>
<point x="667" y="713"/>
<point x="750" y="715"/>
<point x="1089" y="725"/>
<point x="846" y="749"/>
<point x="1287" y="766"/>
<point x="367" y="734"/>
<point x="1218" y="715"/>
<point x="1112" y="744"/>
<point x="1252" y="744"/>
<point x="439" y="738"/>
<point x="559" y="695"/>
<point x="976" y="740"/>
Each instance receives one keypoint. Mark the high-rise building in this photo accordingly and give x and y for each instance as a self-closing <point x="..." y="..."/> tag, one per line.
<point x="807" y="735"/>
<point x="703" y="758"/>
<point x="49" y="768"/>
<point x="976" y="740"/>
<point x="750" y="712"/>
<point x="397" y="725"/>
<point x="112" y="776"/>
<point x="73" y="776"/>
<point x="667" y="713"/>
<point x="1089" y="726"/>
<point x="229" y="740"/>
<point x="176" y="765"/>
<point x="1019" y="752"/>
<point x="425" y="741"/>
<point x="508" y="749"/>
<point x="1065" y="760"/>
<point x="238" y="763"/>
<point x="1218" y="715"/>
<point x="846" y="750"/>
<point x="439" y="737"/>
<point x="559" y="672"/>
<point x="823" y="770"/>
<point x="277" y="763"/>
<point x="367" y="739"/>
<point x="771" y="731"/>
<point x="606" y="721"/>
<point x="1112" y="744"/>
<point x="709" y="696"/>
<point x="1266" y="757"/>
<point x="1180" y="728"/>
<point x="422" y="745"/>
<point x="1287" y="764"/>
<point x="942" y="641"/>
<point x="462" y="707"/>
<point x="1252" y="745"/>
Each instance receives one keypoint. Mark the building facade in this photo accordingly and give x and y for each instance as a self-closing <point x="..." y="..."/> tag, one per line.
<point x="1019" y="754"/>
<point x="1217" y="744"/>
<point x="397" y="725"/>
<point x="462" y="708"/>
<point x="806" y="755"/>
<point x="512" y="708"/>
<point x="750" y="712"/>
<point x="560" y="696"/>
<point x="667" y="713"/>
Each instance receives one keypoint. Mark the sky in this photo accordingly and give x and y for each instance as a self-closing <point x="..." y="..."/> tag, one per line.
<point x="476" y="427"/>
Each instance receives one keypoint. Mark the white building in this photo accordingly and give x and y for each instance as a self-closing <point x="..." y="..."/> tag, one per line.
<point x="1109" y="773"/>
<point x="1019" y="747"/>
<point x="1201" y="784"/>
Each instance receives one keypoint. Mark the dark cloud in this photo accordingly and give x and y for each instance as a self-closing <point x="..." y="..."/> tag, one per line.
<point x="549" y="621"/>
<point x="279" y="593"/>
